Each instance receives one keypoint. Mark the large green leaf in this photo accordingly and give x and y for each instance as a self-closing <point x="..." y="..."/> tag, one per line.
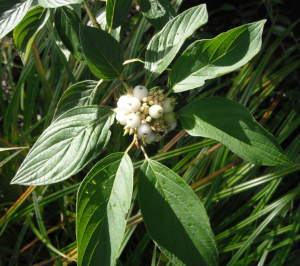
<point x="104" y="198"/>
<point x="232" y="124"/>
<point x="11" y="13"/>
<point x="164" y="46"/>
<point x="28" y="28"/>
<point x="157" y="12"/>
<point x="67" y="25"/>
<point x="117" y="12"/>
<point x="174" y="217"/>
<point x="66" y="146"/>
<point x="57" y="3"/>
<point x="103" y="53"/>
<point x="100" y="16"/>
<point x="79" y="94"/>
<point x="207" y="59"/>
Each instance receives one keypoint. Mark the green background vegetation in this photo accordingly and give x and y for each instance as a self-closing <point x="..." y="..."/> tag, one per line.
<point x="254" y="210"/>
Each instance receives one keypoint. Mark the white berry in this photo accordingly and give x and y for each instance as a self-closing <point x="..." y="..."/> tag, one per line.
<point x="122" y="102"/>
<point x="150" y="138"/>
<point x="158" y="138"/>
<point x="170" y="117"/>
<point x="168" y="105"/>
<point x="121" y="117"/>
<point x="156" y="111"/>
<point x="144" y="130"/>
<point x="133" y="120"/>
<point x="133" y="104"/>
<point x="140" y="92"/>
<point x="173" y="125"/>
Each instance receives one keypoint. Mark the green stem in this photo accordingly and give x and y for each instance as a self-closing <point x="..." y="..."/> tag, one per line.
<point x="145" y="153"/>
<point x="90" y="14"/>
<point x="130" y="146"/>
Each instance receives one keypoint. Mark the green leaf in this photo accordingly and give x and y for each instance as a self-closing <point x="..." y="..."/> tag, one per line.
<point x="103" y="53"/>
<point x="117" y="12"/>
<point x="57" y="3"/>
<point x="158" y="12"/>
<point x="11" y="13"/>
<point x="174" y="217"/>
<point x="28" y="28"/>
<point x="164" y="46"/>
<point x="66" y="146"/>
<point x="67" y="25"/>
<point x="104" y="198"/>
<point x="207" y="59"/>
<point x="100" y="16"/>
<point x="79" y="94"/>
<point x="232" y="124"/>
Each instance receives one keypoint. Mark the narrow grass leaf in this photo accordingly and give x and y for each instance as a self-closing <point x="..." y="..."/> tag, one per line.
<point x="80" y="94"/>
<point x="117" y="12"/>
<point x="28" y="28"/>
<point x="232" y="124"/>
<point x="103" y="199"/>
<point x="175" y="217"/>
<point x="158" y="12"/>
<point x="103" y="53"/>
<point x="66" y="146"/>
<point x="207" y="59"/>
<point x="67" y="25"/>
<point x="164" y="46"/>
<point x="11" y="13"/>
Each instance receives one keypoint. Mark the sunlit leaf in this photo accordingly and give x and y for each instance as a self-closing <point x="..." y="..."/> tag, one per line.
<point x="164" y="46"/>
<point x="175" y="217"/>
<point x="57" y="3"/>
<point x="232" y="124"/>
<point x="207" y="59"/>
<point x="66" y="146"/>
<point x="103" y="199"/>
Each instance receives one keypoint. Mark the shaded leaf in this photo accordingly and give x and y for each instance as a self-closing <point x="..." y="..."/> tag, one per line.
<point x="157" y="12"/>
<point x="104" y="198"/>
<point x="57" y="3"/>
<point x="28" y="28"/>
<point x="117" y="12"/>
<point x="11" y="13"/>
<point x="174" y="217"/>
<point x="164" y="46"/>
<point x="79" y="94"/>
<point x="66" y="146"/>
<point x="67" y="25"/>
<point x="100" y="16"/>
<point x="232" y="124"/>
<point x="207" y="59"/>
<point x="103" y="53"/>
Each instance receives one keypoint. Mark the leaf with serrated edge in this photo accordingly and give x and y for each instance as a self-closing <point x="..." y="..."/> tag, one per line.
<point x="232" y="124"/>
<point x="157" y="12"/>
<point x="28" y="28"/>
<point x="79" y="94"/>
<point x="11" y="13"/>
<point x="117" y="12"/>
<point x="103" y="53"/>
<point x="67" y="25"/>
<point x="164" y="46"/>
<point x="207" y="59"/>
<point x="66" y="146"/>
<point x="103" y="199"/>
<point x="175" y="217"/>
<point x="58" y="3"/>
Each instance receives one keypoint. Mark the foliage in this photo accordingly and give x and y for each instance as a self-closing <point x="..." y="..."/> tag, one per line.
<point x="57" y="125"/>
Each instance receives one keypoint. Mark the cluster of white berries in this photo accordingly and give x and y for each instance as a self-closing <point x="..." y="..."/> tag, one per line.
<point x="147" y="114"/>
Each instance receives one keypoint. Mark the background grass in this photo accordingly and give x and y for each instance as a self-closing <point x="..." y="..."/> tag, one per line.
<point x="254" y="210"/>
